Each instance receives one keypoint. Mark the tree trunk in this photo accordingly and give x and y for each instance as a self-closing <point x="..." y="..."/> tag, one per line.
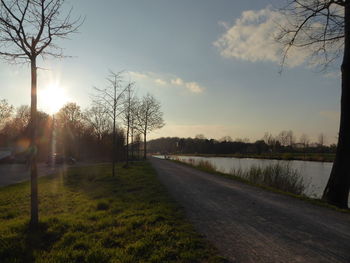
<point x="114" y="131"/>
<point x="144" y="146"/>
<point x="114" y="147"/>
<point x="34" y="219"/>
<point x="337" y="189"/>
<point x="132" y="140"/>
<point x="127" y="144"/>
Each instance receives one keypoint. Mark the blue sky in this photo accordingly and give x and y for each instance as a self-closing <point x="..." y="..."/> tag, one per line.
<point x="171" y="50"/>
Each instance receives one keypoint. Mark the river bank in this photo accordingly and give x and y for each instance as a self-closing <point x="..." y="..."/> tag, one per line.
<point x="315" y="174"/>
<point x="313" y="157"/>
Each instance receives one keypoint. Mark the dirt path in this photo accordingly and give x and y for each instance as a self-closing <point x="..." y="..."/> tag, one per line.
<point x="248" y="224"/>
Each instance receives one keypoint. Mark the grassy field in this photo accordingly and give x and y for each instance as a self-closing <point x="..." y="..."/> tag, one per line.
<point x="89" y="216"/>
<point x="317" y="157"/>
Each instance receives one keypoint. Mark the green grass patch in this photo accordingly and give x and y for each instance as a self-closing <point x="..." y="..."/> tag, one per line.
<point x="87" y="215"/>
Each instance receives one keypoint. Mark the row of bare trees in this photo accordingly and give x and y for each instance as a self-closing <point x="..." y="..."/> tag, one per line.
<point x="288" y="139"/>
<point x="138" y="116"/>
<point x="269" y="146"/>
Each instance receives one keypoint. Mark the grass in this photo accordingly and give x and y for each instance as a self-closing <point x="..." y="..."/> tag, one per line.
<point x="316" y="157"/>
<point x="279" y="176"/>
<point x="203" y="165"/>
<point x="87" y="215"/>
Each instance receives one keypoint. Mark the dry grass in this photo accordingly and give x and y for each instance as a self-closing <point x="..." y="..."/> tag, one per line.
<point x="279" y="176"/>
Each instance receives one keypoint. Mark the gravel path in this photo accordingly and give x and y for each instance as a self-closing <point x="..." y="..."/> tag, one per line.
<point x="248" y="224"/>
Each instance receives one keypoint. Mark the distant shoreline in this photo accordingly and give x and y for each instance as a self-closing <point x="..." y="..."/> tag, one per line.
<point x="313" y="157"/>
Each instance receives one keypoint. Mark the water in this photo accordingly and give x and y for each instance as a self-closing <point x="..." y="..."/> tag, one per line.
<point x="315" y="174"/>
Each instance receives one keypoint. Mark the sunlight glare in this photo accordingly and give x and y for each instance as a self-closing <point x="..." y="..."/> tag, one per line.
<point x="53" y="98"/>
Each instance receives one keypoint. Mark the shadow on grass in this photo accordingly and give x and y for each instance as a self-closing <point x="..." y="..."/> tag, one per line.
<point x="25" y="241"/>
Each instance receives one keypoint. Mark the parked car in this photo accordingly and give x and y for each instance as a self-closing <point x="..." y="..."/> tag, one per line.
<point x="60" y="159"/>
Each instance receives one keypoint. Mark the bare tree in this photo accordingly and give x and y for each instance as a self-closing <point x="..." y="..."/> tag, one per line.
<point x="128" y="112"/>
<point x="5" y="111"/>
<point x="23" y="113"/>
<point x="111" y="99"/>
<point x="97" y="117"/>
<point x="321" y="140"/>
<point x="226" y="139"/>
<point x="70" y="121"/>
<point x="323" y="26"/>
<point x="200" y="136"/>
<point x="291" y="138"/>
<point x="271" y="141"/>
<point x="286" y="138"/>
<point x="304" y="140"/>
<point x="18" y="124"/>
<point x="149" y="118"/>
<point x="133" y="125"/>
<point x="137" y="143"/>
<point x="70" y="115"/>
<point x="27" y="30"/>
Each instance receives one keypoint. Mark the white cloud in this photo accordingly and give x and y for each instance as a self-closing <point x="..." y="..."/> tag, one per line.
<point x="224" y="24"/>
<point x="169" y="80"/>
<point x="177" y="81"/>
<point x="193" y="87"/>
<point x="252" y="38"/>
<point x="160" y="82"/>
<point x="138" y="75"/>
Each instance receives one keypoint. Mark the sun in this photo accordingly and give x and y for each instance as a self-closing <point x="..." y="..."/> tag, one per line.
<point x="52" y="98"/>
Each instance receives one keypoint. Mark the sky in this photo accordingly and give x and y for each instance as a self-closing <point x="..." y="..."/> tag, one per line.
<point x="213" y="65"/>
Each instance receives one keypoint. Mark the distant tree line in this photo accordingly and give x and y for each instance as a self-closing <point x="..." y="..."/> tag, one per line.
<point x="284" y="142"/>
<point x="85" y="134"/>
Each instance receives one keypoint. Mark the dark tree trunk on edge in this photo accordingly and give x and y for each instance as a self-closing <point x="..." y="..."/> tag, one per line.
<point x="337" y="189"/>
<point x="34" y="216"/>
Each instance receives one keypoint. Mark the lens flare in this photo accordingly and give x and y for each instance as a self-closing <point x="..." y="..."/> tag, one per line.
<point x="52" y="98"/>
